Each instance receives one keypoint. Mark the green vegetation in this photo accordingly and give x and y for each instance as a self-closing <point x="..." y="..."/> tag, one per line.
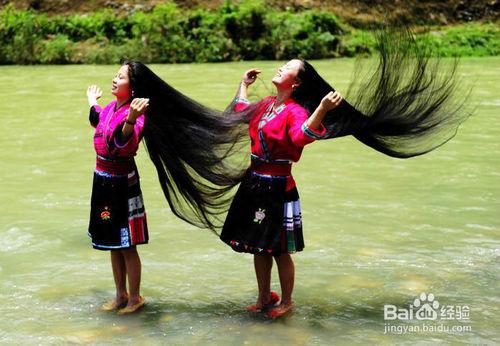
<point x="168" y="34"/>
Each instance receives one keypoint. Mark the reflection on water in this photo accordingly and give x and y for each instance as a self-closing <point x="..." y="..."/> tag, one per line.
<point x="378" y="230"/>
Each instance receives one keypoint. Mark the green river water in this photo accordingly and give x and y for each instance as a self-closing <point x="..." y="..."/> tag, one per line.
<point x="378" y="231"/>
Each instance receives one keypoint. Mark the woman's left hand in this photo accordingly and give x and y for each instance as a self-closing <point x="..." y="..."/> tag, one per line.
<point x="331" y="101"/>
<point x="137" y="107"/>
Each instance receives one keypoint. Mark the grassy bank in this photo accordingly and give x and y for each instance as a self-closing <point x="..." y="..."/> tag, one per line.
<point x="169" y="34"/>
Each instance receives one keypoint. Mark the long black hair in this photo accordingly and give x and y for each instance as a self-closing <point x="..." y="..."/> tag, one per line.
<point x="410" y="105"/>
<point x="191" y="147"/>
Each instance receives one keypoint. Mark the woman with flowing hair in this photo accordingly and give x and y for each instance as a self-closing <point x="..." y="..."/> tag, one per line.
<point x="188" y="144"/>
<point x="407" y="107"/>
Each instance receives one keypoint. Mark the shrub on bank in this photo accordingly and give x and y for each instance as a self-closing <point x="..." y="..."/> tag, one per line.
<point x="169" y="34"/>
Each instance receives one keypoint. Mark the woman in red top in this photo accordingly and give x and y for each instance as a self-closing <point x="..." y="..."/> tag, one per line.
<point x="187" y="143"/>
<point x="117" y="216"/>
<point x="264" y="218"/>
<point x="407" y="106"/>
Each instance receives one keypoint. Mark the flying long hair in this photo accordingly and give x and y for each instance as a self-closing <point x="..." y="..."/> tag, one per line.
<point x="191" y="147"/>
<point x="408" y="106"/>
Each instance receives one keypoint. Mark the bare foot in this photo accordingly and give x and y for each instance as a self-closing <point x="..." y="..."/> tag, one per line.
<point x="115" y="304"/>
<point x="259" y="306"/>
<point x="281" y="310"/>
<point x="132" y="306"/>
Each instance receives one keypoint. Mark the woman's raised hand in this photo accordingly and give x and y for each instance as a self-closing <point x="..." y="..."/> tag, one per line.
<point x="331" y="101"/>
<point x="250" y="76"/>
<point x="93" y="94"/>
<point x="137" y="107"/>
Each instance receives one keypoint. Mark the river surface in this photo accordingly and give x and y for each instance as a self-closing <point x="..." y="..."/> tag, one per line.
<point x="379" y="231"/>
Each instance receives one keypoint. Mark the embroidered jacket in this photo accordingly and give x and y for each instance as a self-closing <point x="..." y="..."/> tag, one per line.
<point x="108" y="142"/>
<point x="278" y="137"/>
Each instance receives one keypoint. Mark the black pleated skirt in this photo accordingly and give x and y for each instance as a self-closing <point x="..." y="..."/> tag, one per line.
<point x="264" y="218"/>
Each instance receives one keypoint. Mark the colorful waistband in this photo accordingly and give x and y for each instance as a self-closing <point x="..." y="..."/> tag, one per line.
<point x="119" y="166"/>
<point x="276" y="162"/>
<point x="267" y="176"/>
<point x="273" y="168"/>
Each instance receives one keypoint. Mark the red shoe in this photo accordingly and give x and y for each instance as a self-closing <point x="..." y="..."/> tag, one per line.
<point x="274" y="299"/>
<point x="280" y="311"/>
